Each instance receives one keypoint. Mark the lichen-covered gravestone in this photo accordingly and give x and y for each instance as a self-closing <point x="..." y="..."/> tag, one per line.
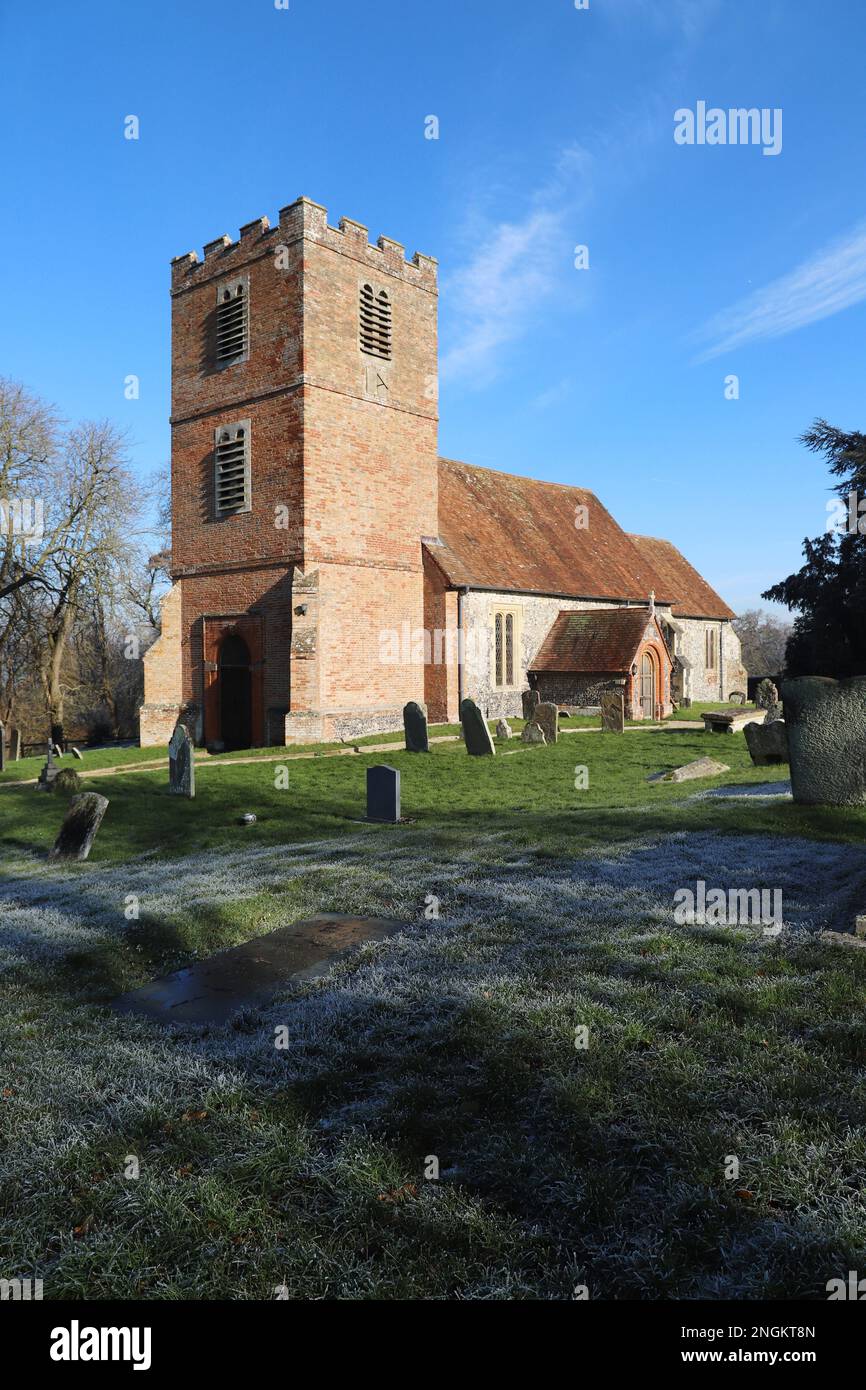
<point x="383" y="794"/>
<point x="415" y="728"/>
<point x="529" y="699"/>
<point x="612" y="712"/>
<point x="547" y="718"/>
<point x="504" y="729"/>
<point x="80" y="824"/>
<point x="826" y="724"/>
<point x="532" y="734"/>
<point x="476" y="734"/>
<point x="766" y="694"/>
<point x="15" y="746"/>
<point x="181" y="763"/>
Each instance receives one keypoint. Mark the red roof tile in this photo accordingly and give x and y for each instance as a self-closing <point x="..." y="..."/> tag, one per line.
<point x="518" y="535"/>
<point x="693" y="596"/>
<point x="606" y="639"/>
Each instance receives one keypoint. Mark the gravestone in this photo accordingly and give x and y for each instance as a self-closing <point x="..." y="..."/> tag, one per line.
<point x="504" y="729"/>
<point x="774" y="712"/>
<point x="80" y="824"/>
<point x="612" y="712"/>
<point x="15" y="746"/>
<point x="76" y="753"/>
<point x="383" y="794"/>
<point x="532" y="734"/>
<point x="415" y="728"/>
<point x="737" y="697"/>
<point x="529" y="699"/>
<point x="826" y="724"/>
<point x="768" y="742"/>
<point x="2" y="746"/>
<point x="701" y="767"/>
<point x="181" y="763"/>
<point x="476" y="734"/>
<point x="57" y="751"/>
<point x="547" y="718"/>
<point x="766" y="694"/>
<point x="48" y="773"/>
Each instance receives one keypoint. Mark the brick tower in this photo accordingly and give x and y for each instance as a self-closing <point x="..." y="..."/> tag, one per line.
<point x="304" y="476"/>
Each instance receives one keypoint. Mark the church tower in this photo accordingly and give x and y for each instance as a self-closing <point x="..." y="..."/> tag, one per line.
<point x="304" y="477"/>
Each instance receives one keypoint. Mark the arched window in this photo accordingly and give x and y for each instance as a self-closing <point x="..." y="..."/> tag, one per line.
<point x="497" y="629"/>
<point x="509" y="649"/>
<point x="375" y="323"/>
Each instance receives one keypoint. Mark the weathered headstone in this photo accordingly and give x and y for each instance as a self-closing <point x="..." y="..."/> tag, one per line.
<point x="76" y="753"/>
<point x="766" y="694"/>
<point x="547" y="718"/>
<point x="15" y="746"/>
<point x="612" y="712"/>
<point x="383" y="794"/>
<point x="181" y="763"/>
<point x="504" y="729"/>
<point x="529" y="699"/>
<point x="826" y="723"/>
<point x="768" y="742"/>
<point x="80" y="824"/>
<point x="415" y="728"/>
<point x="532" y="734"/>
<point x="476" y="734"/>
<point x="48" y="773"/>
<point x="57" y="751"/>
<point x="737" y="697"/>
<point x="2" y="746"/>
<point x="774" y="712"/>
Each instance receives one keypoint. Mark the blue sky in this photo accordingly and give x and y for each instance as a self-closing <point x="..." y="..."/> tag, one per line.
<point x="556" y="130"/>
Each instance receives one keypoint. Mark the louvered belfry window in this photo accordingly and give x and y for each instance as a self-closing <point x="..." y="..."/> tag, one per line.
<point x="232" y="468"/>
<point x="232" y="322"/>
<point x="375" y="322"/>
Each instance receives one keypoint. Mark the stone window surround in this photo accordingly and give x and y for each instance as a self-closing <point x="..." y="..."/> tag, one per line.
<point x="516" y="613"/>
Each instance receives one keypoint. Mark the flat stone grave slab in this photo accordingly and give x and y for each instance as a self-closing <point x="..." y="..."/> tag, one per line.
<point x="211" y="990"/>
<point x="720" y="721"/>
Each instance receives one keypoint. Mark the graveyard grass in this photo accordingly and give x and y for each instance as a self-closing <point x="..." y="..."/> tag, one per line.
<point x="304" y="1168"/>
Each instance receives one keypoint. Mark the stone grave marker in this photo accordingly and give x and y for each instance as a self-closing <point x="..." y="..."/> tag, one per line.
<point x="181" y="763"/>
<point x="76" y="753"/>
<point x="2" y="746"/>
<point x="15" y="746"/>
<point x="529" y="699"/>
<point x="383" y="794"/>
<point x="504" y="729"/>
<point x="826" y="724"/>
<point x="766" y="694"/>
<point x="612" y="712"/>
<point x="547" y="718"/>
<point x="80" y="824"/>
<point x="532" y="734"/>
<point x="768" y="742"/>
<point x="48" y="773"/>
<point x="415" y="728"/>
<point x="701" y="767"/>
<point x="476" y="734"/>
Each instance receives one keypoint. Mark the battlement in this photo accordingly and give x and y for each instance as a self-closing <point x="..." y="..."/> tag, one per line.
<point x="304" y="220"/>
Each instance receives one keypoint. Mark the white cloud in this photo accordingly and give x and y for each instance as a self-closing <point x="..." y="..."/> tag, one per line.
<point x="831" y="280"/>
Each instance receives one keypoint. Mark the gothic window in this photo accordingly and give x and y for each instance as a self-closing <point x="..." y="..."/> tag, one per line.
<point x="711" y="648"/>
<point x="509" y="649"/>
<point x="505" y="674"/>
<point x="497" y="637"/>
<point x="375" y="323"/>
<point x="232" y="322"/>
<point x="232" y="468"/>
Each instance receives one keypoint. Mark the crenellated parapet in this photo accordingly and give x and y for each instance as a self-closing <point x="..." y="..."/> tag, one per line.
<point x="301" y="221"/>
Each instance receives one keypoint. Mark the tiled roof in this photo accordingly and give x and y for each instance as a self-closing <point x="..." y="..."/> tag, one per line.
<point x="517" y="535"/>
<point x="605" y="639"/>
<point x="693" y="596"/>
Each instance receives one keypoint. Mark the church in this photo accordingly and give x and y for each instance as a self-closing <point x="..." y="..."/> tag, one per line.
<point x="328" y="566"/>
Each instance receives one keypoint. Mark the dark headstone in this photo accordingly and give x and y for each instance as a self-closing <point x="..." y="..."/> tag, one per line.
<point x="383" y="794"/>
<point x="547" y="718"/>
<point x="76" y="753"/>
<point x="15" y="746"/>
<point x="529" y="699"/>
<point x="415" y="728"/>
<point x="768" y="743"/>
<point x="80" y="824"/>
<point x="612" y="712"/>
<point x="181" y="763"/>
<point x="476" y="734"/>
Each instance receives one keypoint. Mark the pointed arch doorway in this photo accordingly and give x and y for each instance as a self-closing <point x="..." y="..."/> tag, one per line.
<point x="233" y="682"/>
<point x="647" y="686"/>
<point x="235" y="692"/>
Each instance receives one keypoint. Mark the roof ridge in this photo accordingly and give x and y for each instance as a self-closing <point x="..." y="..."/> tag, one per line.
<point x="519" y="477"/>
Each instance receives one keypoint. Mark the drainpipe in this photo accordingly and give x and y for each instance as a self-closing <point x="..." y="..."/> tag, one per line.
<point x="722" y="660"/>
<point x="461" y="594"/>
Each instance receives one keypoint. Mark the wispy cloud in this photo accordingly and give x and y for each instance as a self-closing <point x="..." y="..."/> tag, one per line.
<point x="831" y="280"/>
<point x="690" y="17"/>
